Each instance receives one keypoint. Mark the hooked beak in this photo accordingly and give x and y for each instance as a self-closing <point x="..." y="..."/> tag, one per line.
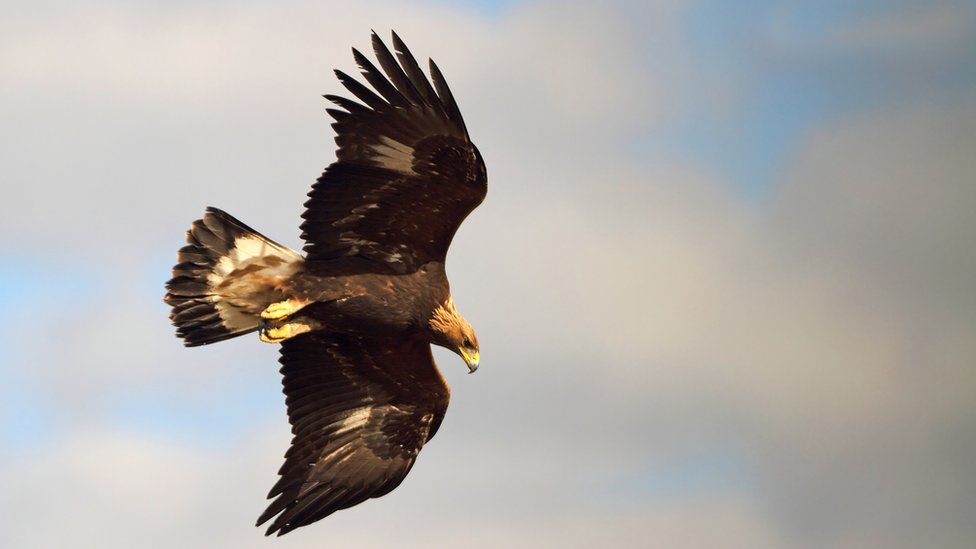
<point x="471" y="359"/>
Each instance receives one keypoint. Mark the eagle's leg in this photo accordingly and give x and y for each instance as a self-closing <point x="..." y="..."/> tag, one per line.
<point x="282" y="309"/>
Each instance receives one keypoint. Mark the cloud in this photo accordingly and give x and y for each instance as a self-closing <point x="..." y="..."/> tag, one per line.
<point x="940" y="26"/>
<point x="889" y="29"/>
<point x="664" y="362"/>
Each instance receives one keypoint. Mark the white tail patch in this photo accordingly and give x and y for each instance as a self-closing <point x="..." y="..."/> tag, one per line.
<point x="244" y="280"/>
<point x="254" y="250"/>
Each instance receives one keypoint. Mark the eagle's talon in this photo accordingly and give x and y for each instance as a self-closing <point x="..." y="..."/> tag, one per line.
<point x="277" y="334"/>
<point x="281" y="309"/>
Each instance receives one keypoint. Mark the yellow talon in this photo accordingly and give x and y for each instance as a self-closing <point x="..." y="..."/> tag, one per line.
<point x="282" y="309"/>
<point x="283" y="332"/>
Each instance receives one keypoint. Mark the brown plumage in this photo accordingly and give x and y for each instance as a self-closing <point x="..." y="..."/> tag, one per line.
<point x="355" y="316"/>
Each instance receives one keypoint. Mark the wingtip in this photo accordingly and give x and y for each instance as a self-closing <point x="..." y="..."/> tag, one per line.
<point x="277" y="529"/>
<point x="265" y="517"/>
<point x="359" y="58"/>
<point x="345" y="79"/>
<point x="397" y="41"/>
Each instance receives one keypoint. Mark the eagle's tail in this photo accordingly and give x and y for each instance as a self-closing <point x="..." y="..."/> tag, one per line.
<point x="226" y="275"/>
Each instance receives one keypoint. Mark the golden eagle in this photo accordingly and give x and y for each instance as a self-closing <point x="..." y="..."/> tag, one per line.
<point x="355" y="316"/>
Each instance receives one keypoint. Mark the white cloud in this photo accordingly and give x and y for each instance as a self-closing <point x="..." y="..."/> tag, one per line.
<point x="909" y="30"/>
<point x="939" y="26"/>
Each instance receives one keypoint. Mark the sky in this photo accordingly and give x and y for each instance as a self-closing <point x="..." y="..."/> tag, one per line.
<point x="723" y="281"/>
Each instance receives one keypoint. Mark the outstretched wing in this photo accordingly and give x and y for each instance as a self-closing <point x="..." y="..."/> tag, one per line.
<point x="406" y="176"/>
<point x="360" y="410"/>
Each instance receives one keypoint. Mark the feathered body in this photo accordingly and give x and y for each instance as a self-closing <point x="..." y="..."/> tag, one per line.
<point x="357" y="314"/>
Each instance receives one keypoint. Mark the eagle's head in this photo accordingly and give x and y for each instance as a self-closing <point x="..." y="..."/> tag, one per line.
<point x="450" y="330"/>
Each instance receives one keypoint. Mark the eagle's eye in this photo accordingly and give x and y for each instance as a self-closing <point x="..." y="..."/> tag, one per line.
<point x="467" y="342"/>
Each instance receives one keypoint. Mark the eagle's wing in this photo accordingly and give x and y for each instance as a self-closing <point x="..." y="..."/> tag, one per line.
<point x="406" y="173"/>
<point x="360" y="410"/>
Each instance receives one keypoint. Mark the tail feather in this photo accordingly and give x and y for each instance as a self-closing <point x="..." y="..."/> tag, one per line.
<point x="225" y="276"/>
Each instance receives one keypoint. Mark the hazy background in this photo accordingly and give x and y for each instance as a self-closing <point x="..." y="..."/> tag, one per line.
<point x="724" y="280"/>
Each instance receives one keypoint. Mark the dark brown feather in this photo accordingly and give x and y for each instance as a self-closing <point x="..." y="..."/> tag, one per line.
<point x="412" y="69"/>
<point x="378" y="81"/>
